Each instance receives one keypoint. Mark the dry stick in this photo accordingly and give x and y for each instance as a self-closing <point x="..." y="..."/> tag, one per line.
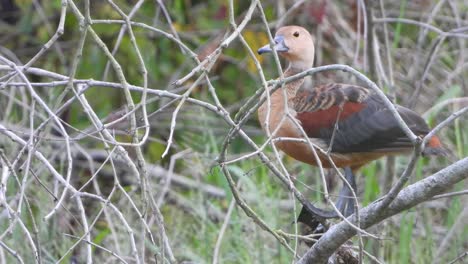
<point x="35" y="71"/>
<point x="96" y="122"/>
<point x="60" y="179"/>
<point x="169" y="22"/>
<point x="7" y="169"/>
<point x="369" y="18"/>
<point x="453" y="33"/>
<point x="366" y="33"/>
<point x="62" y="130"/>
<point x="209" y="61"/>
<point x="147" y="192"/>
<point x="2" y="255"/>
<point x="461" y="42"/>
<point x="280" y="22"/>
<point x="135" y="141"/>
<point x="266" y="124"/>
<point x="48" y="26"/>
<point x="106" y="202"/>
<point x="120" y="75"/>
<point x="75" y="63"/>
<point x="28" y="159"/>
<point x="25" y="230"/>
<point x="169" y="36"/>
<point x="86" y="234"/>
<point x="269" y="140"/>
<point x="38" y="155"/>
<point x="107" y="214"/>
<point x="391" y="195"/>
<point x="4" y="181"/>
<point x="216" y="54"/>
<point x="90" y="165"/>
<point x="176" y="111"/>
<point x="165" y="239"/>
<point x="84" y="221"/>
<point x="144" y="73"/>
<point x="443" y="124"/>
<point x="390" y="82"/>
<point x="358" y="35"/>
<point x="159" y="173"/>
<point x="457" y="226"/>
<point x="170" y="173"/>
<point x="369" y="255"/>
<point x="119" y="186"/>
<point x="161" y="93"/>
<point x="451" y="194"/>
<point x="277" y="84"/>
<point x="118" y="41"/>
<point x="12" y="252"/>
<point x="100" y="247"/>
<point x="410" y="196"/>
<point x="226" y="221"/>
<point x="387" y="51"/>
<point x="311" y="237"/>
<point x="287" y="115"/>
<point x="421" y="37"/>
<point x="438" y="107"/>
<point x="460" y="257"/>
<point x="226" y="42"/>
<point x="460" y="69"/>
<point x="251" y="213"/>
<point x="369" y="44"/>
<point x="259" y="92"/>
<point x="96" y="172"/>
<point x="49" y="43"/>
<point x="25" y="176"/>
<point x="429" y="62"/>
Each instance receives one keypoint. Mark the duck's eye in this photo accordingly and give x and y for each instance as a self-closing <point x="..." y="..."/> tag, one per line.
<point x="296" y="34"/>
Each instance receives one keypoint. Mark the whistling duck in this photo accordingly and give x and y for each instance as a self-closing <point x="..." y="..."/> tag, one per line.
<point x="366" y="129"/>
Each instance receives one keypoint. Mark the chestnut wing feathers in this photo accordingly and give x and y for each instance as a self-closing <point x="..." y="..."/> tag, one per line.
<point x="364" y="123"/>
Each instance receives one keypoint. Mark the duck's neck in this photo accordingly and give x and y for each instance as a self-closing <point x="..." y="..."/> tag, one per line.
<point x="290" y="71"/>
<point x="279" y="99"/>
<point x="292" y="87"/>
<point x="275" y="108"/>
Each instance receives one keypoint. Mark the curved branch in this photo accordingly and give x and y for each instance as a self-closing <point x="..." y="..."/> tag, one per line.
<point x="409" y="197"/>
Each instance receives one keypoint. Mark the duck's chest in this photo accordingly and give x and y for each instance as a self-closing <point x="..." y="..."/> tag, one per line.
<point x="278" y="118"/>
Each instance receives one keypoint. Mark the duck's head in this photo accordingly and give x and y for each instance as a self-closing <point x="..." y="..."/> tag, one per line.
<point x="295" y="44"/>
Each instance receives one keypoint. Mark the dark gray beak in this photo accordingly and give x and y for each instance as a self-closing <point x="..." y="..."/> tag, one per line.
<point x="279" y="46"/>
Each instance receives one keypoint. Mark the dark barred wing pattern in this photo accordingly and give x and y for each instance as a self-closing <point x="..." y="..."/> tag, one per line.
<point x="365" y="124"/>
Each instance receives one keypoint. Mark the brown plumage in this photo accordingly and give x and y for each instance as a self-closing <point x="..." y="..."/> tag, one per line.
<point x="351" y="121"/>
<point x="366" y="128"/>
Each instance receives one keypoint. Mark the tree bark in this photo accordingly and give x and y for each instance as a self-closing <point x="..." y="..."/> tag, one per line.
<point x="410" y="196"/>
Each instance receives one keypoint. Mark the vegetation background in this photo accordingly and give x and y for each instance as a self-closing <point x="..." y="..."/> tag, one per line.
<point x="419" y="56"/>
